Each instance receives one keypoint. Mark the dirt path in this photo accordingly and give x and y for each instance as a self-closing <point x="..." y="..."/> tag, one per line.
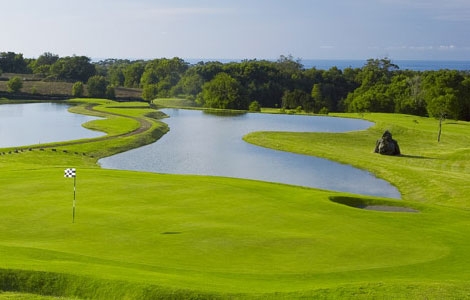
<point x="144" y="124"/>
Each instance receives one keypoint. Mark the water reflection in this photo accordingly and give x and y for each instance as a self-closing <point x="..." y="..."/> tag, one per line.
<point x="208" y="144"/>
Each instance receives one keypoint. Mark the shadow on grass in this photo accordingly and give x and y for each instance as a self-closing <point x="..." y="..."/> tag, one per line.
<point x="415" y="156"/>
<point x="372" y="204"/>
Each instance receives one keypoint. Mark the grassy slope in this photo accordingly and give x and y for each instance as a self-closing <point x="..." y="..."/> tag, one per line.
<point x="141" y="235"/>
<point x="428" y="171"/>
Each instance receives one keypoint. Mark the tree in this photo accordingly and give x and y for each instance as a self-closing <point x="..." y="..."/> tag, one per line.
<point x="78" y="89"/>
<point x="75" y="68"/>
<point x="208" y="70"/>
<point x="336" y="85"/>
<point x="115" y="75"/>
<point x="377" y="71"/>
<point x="11" y="62"/>
<point x="260" y="80"/>
<point x="42" y="65"/>
<point x="374" y="99"/>
<point x="112" y="69"/>
<point x="149" y="92"/>
<point x="96" y="86"/>
<point x="47" y="59"/>
<point x="289" y="65"/>
<point x="371" y="95"/>
<point x="297" y="98"/>
<point x="110" y="92"/>
<point x="317" y="97"/>
<point x="222" y="92"/>
<point x="165" y="73"/>
<point x="190" y="84"/>
<point x="132" y="74"/>
<point x="443" y="93"/>
<point x="465" y="111"/>
<point x="15" y="84"/>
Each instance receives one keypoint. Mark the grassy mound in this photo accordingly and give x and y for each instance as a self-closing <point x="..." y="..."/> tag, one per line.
<point x="152" y="236"/>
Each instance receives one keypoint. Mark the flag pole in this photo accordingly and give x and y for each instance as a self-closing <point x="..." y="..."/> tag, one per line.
<point x="74" y="192"/>
<point x="71" y="172"/>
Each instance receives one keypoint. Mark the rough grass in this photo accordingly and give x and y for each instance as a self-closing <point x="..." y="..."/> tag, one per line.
<point x="35" y="86"/>
<point x="152" y="236"/>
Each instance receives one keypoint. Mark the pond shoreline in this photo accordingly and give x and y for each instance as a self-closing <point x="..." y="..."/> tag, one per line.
<point x="210" y="139"/>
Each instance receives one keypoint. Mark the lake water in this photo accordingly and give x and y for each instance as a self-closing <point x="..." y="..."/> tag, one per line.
<point x="207" y="144"/>
<point x="37" y="123"/>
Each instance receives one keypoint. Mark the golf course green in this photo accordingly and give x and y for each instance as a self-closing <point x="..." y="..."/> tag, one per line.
<point x="140" y="235"/>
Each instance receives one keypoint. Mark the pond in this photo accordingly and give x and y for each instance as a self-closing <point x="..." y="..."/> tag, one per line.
<point x="38" y="123"/>
<point x="206" y="144"/>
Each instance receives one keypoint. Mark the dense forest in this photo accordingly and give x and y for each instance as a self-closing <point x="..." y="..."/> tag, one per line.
<point x="379" y="86"/>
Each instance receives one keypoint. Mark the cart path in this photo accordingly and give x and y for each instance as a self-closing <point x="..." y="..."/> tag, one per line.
<point x="144" y="125"/>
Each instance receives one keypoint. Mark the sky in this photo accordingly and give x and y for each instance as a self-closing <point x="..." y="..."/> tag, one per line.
<point x="238" y="29"/>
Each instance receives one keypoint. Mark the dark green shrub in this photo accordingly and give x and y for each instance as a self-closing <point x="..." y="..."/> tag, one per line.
<point x="15" y="84"/>
<point x="78" y="89"/>
<point x="254" y="106"/>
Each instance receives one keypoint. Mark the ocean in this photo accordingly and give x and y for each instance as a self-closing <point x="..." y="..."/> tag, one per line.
<point x="415" y="65"/>
<point x="325" y="64"/>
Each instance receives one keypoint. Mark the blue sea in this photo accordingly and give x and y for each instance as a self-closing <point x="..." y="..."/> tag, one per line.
<point x="415" y="65"/>
<point x="325" y="64"/>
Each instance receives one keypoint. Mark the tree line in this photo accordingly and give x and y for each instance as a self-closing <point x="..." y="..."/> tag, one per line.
<point x="379" y="86"/>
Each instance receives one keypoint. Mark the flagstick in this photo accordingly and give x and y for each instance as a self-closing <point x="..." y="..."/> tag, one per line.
<point x="71" y="172"/>
<point x="74" y="190"/>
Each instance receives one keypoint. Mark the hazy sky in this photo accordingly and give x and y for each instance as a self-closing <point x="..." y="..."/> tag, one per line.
<point x="238" y="29"/>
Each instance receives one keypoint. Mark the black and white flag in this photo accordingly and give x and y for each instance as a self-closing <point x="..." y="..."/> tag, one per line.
<point x="69" y="173"/>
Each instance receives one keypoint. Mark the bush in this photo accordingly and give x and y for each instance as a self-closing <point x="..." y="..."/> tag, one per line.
<point x="254" y="106"/>
<point x="15" y="84"/>
<point x="323" y="111"/>
<point x="78" y="89"/>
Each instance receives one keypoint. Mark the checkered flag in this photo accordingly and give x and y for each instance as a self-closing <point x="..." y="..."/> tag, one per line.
<point x="69" y="173"/>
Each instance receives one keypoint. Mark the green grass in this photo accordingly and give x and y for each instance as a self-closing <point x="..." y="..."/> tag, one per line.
<point x="146" y="236"/>
<point x="428" y="171"/>
<point x="174" y="102"/>
<point x="22" y="296"/>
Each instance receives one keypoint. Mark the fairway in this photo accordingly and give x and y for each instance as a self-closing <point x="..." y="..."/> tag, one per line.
<point x="147" y="236"/>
